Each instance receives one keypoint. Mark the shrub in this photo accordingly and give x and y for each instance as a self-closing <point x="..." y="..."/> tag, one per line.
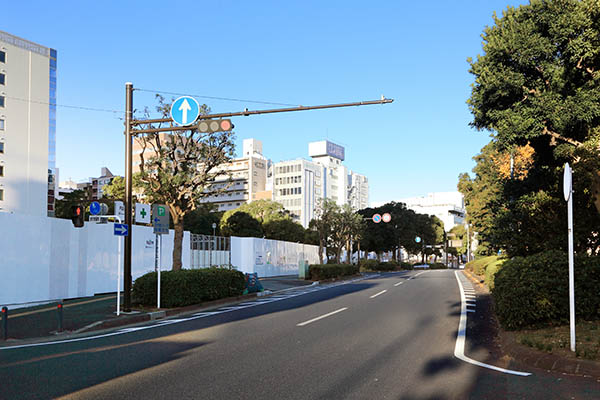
<point x="491" y="270"/>
<point x="374" y="265"/>
<point x="478" y="265"/>
<point x="189" y="286"/>
<point x="406" y="265"/>
<point x="437" y="266"/>
<point x="328" y="271"/>
<point x="368" y="265"/>
<point x="531" y="291"/>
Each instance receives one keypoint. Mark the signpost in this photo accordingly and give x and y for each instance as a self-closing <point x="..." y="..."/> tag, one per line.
<point x="185" y="110"/>
<point x="386" y="217"/>
<point x="376" y="218"/>
<point x="160" y="222"/>
<point x="95" y="208"/>
<point x="568" y="193"/>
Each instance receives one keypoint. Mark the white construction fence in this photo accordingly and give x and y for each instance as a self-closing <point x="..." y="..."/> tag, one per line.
<point x="45" y="258"/>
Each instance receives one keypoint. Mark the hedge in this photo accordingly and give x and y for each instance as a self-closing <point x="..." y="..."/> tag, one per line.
<point x="534" y="291"/>
<point x="437" y="266"/>
<point x="188" y="286"/>
<point x="478" y="265"/>
<point x="328" y="271"/>
<point x="491" y="270"/>
<point x="374" y="265"/>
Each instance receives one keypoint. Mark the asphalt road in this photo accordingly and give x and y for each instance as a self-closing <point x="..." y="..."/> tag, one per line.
<point x="387" y="337"/>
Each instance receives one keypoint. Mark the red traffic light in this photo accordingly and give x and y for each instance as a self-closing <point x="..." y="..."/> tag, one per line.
<point x="215" y="125"/>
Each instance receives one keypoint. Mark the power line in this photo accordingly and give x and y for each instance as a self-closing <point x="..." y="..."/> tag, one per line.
<point x="66" y="105"/>
<point x="216" y="98"/>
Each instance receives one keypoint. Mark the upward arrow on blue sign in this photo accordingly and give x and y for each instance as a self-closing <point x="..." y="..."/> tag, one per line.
<point x="185" y="110"/>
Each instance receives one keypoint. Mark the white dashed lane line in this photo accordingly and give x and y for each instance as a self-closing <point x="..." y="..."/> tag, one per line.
<point x="377" y="294"/>
<point x="321" y="317"/>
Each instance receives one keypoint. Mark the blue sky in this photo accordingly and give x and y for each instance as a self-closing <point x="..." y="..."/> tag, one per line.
<point x="301" y="53"/>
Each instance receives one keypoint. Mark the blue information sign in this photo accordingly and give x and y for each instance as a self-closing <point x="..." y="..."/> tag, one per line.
<point x="185" y="110"/>
<point x="121" y="230"/>
<point x="95" y="208"/>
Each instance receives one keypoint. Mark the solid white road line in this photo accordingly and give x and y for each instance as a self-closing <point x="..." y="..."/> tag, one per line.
<point x="459" y="349"/>
<point x="321" y="317"/>
<point x="377" y="294"/>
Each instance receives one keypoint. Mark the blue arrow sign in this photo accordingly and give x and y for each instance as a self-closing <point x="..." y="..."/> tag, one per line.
<point x="121" y="230"/>
<point x="95" y="208"/>
<point x="185" y="110"/>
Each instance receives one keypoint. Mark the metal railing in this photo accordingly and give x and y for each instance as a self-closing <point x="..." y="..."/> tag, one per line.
<point x="207" y="251"/>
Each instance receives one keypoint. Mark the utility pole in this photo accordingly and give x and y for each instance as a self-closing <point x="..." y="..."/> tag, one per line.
<point x="128" y="205"/>
<point x="131" y="123"/>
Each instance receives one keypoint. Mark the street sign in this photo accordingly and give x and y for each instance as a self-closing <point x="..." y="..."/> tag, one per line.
<point x="418" y="239"/>
<point x="567" y="182"/>
<point x="185" y="110"/>
<point x="160" y="219"/>
<point x="142" y="213"/>
<point x="386" y="217"/>
<point x="99" y="219"/>
<point x="120" y="209"/>
<point x="121" y="230"/>
<point x="95" y="208"/>
<point x="377" y="218"/>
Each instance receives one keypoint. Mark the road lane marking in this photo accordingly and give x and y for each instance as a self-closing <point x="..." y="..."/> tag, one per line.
<point x="377" y="294"/>
<point x="399" y="283"/>
<point x="461" y="336"/>
<point x="321" y="317"/>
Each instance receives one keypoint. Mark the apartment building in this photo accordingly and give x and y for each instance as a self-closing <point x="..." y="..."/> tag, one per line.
<point x="27" y="126"/>
<point x="358" y="191"/>
<point x="242" y="180"/>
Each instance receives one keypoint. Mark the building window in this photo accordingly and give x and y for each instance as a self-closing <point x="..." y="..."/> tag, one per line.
<point x="1" y="170"/>
<point x="2" y="79"/>
<point x="1" y="194"/>
<point x="1" y="124"/>
<point x="2" y="147"/>
<point x="2" y="56"/>
<point x="2" y="101"/>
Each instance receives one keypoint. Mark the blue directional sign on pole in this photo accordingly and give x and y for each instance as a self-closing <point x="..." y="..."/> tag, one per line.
<point x="95" y="208"/>
<point x="121" y="230"/>
<point x="185" y="110"/>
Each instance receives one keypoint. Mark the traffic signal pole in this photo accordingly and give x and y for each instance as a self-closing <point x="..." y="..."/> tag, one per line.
<point x="128" y="195"/>
<point x="130" y="132"/>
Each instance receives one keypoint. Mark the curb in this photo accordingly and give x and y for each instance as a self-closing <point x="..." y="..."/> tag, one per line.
<point x="534" y="358"/>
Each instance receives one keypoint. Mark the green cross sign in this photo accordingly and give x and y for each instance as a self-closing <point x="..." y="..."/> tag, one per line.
<point x="143" y="213"/>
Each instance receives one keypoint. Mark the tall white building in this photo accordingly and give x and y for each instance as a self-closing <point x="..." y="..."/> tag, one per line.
<point x="27" y="126"/>
<point x="243" y="179"/>
<point x="447" y="206"/>
<point x="298" y="184"/>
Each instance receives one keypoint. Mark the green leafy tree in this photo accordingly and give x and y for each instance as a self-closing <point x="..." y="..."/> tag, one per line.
<point x="201" y="219"/>
<point x="537" y="84"/>
<point x="178" y="169"/>
<point x="263" y="210"/>
<point x="284" y="229"/>
<point x="324" y="222"/>
<point x="115" y="190"/>
<point x="243" y="225"/>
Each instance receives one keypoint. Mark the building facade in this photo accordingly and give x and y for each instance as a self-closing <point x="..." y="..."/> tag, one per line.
<point x="27" y="126"/>
<point x="242" y="180"/>
<point x="447" y="206"/>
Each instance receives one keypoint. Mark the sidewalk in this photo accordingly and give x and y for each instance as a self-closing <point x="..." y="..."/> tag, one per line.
<point x="99" y="312"/>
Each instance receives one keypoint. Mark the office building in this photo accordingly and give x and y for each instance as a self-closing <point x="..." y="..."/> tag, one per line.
<point x="447" y="206"/>
<point x="299" y="184"/>
<point x="27" y="126"/>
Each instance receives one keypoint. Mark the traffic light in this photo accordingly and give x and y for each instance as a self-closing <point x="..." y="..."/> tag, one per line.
<point x="215" y="125"/>
<point x="77" y="216"/>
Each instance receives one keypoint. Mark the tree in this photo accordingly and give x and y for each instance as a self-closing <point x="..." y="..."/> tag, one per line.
<point x="200" y="220"/>
<point x="115" y="190"/>
<point x="178" y="169"/>
<point x="326" y="212"/>
<point x="284" y="229"/>
<point x="243" y="225"/>
<point x="263" y="210"/>
<point x="537" y="85"/>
